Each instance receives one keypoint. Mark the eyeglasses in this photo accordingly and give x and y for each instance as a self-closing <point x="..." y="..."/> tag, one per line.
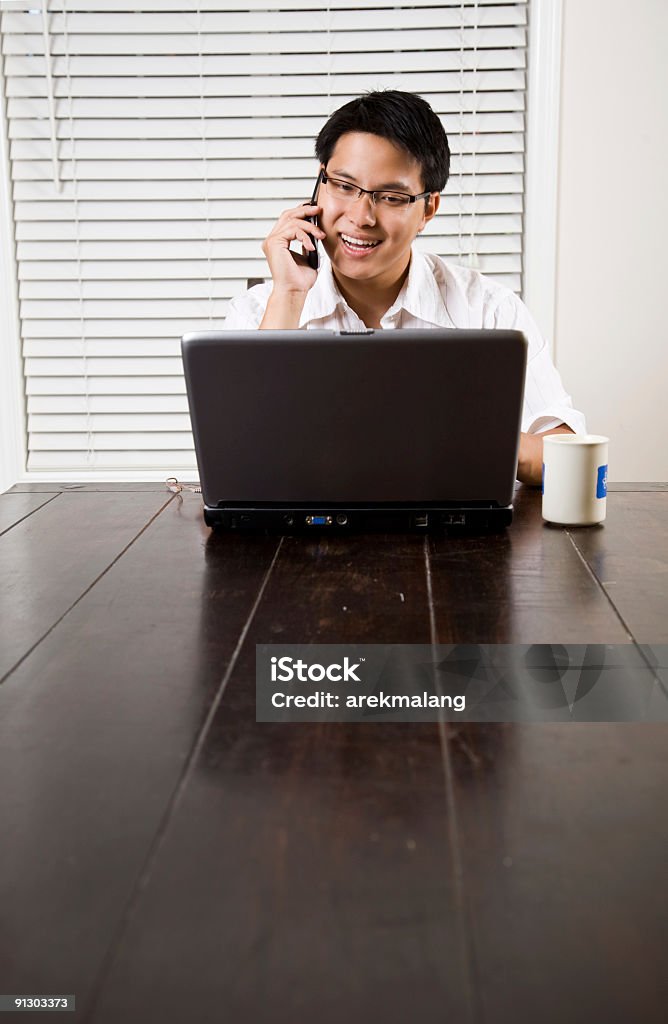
<point x="349" y="193"/>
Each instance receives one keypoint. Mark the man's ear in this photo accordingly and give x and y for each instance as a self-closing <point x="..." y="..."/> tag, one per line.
<point x="431" y="205"/>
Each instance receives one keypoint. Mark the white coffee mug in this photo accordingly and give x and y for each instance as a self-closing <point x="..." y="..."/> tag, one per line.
<point x="575" y="478"/>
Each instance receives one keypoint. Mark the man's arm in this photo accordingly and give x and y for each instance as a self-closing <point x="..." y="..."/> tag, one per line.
<point x="530" y="461"/>
<point x="544" y="394"/>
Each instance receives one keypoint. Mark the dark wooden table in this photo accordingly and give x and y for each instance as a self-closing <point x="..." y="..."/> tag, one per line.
<point x="167" y="859"/>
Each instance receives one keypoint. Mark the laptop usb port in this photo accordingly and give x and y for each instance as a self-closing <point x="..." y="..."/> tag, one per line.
<point x="319" y="520"/>
<point x="422" y="521"/>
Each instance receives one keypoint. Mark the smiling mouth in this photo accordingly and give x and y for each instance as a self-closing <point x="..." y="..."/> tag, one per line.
<point x="358" y="245"/>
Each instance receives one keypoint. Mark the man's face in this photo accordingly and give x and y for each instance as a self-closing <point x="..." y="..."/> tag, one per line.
<point x="372" y="163"/>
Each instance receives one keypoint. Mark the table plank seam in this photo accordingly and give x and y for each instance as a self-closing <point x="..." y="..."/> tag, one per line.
<point x="20" y="489"/>
<point x="144" y="874"/>
<point x="81" y="596"/>
<point x="99" y="487"/>
<point x="638" y="647"/>
<point x="32" y="512"/>
<point x="600" y="585"/>
<point x="467" y="951"/>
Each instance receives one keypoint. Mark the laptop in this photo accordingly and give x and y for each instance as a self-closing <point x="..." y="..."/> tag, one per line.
<point x="356" y="430"/>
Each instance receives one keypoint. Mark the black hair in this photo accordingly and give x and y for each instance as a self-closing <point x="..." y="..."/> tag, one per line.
<point x="403" y="118"/>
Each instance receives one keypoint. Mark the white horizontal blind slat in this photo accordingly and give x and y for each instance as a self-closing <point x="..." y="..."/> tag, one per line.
<point x="216" y="8"/>
<point x="237" y="97"/>
<point x="142" y="230"/>
<point x="163" y="25"/>
<point x="120" y="270"/>
<point x="164" y="6"/>
<point x="42" y="405"/>
<point x="287" y="189"/>
<point x="242" y="211"/>
<point x="113" y="387"/>
<point x="121" y="420"/>
<point x="266" y="64"/>
<point x="231" y="249"/>
<point x="181" y="133"/>
<point x="237" y="141"/>
<point x="230" y="47"/>
<point x="494" y="112"/>
<point x="119" y="6"/>
<point x="187" y="170"/>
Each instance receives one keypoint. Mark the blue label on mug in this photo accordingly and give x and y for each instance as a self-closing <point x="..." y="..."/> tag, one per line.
<point x="542" y="481"/>
<point x="602" y="482"/>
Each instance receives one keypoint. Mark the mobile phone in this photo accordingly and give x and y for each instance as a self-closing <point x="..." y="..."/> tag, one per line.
<point x="312" y="257"/>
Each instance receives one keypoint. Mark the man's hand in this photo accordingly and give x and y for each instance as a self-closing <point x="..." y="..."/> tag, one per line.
<point x="530" y="461"/>
<point x="290" y="272"/>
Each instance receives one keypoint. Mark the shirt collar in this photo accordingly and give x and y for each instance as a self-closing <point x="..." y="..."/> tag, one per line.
<point x="324" y="296"/>
<point x="420" y="295"/>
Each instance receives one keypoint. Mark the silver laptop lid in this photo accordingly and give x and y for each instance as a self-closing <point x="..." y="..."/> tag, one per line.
<point x="411" y="416"/>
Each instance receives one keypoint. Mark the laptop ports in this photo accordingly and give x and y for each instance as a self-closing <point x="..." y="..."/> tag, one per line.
<point x="454" y="519"/>
<point x="319" y="520"/>
<point x="421" y="521"/>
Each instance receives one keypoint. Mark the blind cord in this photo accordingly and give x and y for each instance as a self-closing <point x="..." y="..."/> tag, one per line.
<point x="460" y="192"/>
<point x="473" y="241"/>
<point x="90" y="443"/>
<point x="329" y="59"/>
<point x="50" y="97"/>
<point x="205" y="168"/>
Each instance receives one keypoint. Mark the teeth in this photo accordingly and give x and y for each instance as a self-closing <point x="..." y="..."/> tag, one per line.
<point x="358" y="242"/>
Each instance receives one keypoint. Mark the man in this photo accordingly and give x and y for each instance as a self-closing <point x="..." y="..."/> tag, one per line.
<point x="385" y="160"/>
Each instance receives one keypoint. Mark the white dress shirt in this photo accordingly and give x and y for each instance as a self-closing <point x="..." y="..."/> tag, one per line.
<point x="435" y="294"/>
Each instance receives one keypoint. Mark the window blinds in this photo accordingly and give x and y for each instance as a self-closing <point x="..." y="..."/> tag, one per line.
<point x="152" y="145"/>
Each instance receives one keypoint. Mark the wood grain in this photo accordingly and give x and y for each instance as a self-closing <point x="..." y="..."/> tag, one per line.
<point x="526" y="585"/>
<point x="629" y="557"/>
<point x="96" y="726"/>
<point x="562" y="839"/>
<point x="49" y="559"/>
<point x="167" y="858"/>
<point x="14" y="507"/>
<point x="310" y="863"/>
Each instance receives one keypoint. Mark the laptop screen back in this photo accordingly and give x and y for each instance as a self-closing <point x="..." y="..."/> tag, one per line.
<point x="411" y="416"/>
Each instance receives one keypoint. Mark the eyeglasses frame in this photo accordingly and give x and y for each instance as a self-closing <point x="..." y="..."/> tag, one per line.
<point x="323" y="178"/>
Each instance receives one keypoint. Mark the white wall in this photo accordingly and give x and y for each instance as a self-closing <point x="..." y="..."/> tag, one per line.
<point x="611" y="338"/>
